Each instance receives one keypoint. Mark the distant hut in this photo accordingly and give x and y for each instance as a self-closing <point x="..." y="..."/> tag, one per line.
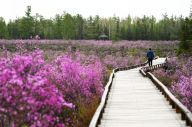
<point x="103" y="37"/>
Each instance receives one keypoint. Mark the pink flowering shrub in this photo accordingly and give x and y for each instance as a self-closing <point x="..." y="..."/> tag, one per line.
<point x="183" y="87"/>
<point x="39" y="94"/>
<point x="75" y="79"/>
<point x="183" y="90"/>
<point x="178" y="77"/>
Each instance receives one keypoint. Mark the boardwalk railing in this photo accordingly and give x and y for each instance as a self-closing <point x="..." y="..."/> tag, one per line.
<point x="144" y="70"/>
<point x="98" y="114"/>
<point x="176" y="104"/>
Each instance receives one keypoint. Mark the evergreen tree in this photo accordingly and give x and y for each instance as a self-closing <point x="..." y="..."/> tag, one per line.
<point x="185" y="45"/>
<point x="3" y="29"/>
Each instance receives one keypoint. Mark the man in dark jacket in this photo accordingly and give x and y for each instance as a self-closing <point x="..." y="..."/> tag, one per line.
<point x="150" y="57"/>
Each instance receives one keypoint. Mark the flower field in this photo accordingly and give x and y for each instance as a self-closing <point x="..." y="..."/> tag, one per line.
<point x="178" y="78"/>
<point x="58" y="83"/>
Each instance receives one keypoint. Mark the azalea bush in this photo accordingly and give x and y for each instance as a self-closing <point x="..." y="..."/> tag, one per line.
<point x="35" y="93"/>
<point x="178" y="78"/>
<point x="183" y="90"/>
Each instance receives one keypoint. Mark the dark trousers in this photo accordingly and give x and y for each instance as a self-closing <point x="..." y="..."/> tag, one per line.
<point x="150" y="61"/>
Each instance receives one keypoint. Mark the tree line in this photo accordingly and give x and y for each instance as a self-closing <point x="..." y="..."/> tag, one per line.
<point x="67" y="26"/>
<point x="185" y="45"/>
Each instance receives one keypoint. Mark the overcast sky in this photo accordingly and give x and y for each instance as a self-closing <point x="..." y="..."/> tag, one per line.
<point x="10" y="9"/>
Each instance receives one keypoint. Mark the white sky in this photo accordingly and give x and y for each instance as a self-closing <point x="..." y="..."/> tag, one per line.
<point x="10" y="9"/>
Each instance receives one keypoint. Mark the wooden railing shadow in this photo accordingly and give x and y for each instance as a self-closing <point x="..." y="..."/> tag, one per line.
<point x="174" y="102"/>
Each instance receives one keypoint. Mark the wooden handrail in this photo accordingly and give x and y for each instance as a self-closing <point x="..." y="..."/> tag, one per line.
<point x="98" y="114"/>
<point x="180" y="108"/>
<point x="150" y="68"/>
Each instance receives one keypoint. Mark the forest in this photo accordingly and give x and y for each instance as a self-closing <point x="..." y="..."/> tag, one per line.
<point x="76" y="27"/>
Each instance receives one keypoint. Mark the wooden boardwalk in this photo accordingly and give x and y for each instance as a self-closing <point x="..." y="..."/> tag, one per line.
<point x="134" y="101"/>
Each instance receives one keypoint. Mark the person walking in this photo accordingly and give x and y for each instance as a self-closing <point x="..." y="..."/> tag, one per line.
<point x="150" y="57"/>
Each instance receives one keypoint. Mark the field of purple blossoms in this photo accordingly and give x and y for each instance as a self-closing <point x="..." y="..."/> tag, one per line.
<point x="59" y="83"/>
